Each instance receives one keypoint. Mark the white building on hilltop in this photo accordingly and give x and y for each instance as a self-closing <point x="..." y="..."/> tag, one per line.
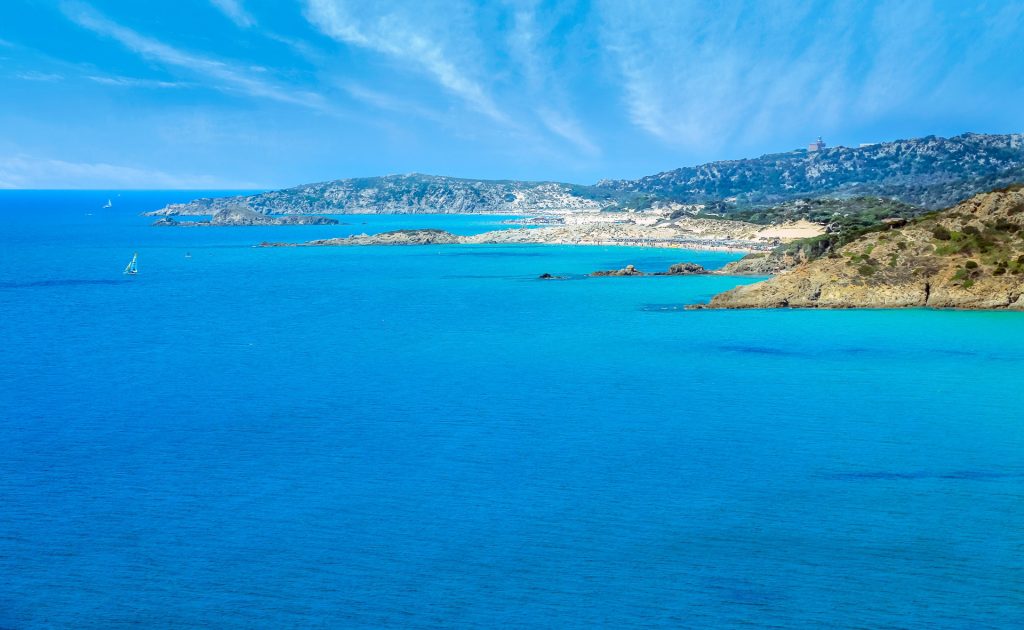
<point x="817" y="145"/>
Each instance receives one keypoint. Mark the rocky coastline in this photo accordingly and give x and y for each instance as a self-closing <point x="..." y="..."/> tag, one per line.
<point x="970" y="256"/>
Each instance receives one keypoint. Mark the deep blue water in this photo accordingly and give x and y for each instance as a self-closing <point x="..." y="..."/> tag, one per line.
<point x="423" y="437"/>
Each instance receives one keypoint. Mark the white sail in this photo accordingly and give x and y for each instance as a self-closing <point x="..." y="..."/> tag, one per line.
<point x="132" y="267"/>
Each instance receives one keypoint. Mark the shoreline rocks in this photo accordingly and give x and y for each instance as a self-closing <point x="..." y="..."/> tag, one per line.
<point x="678" y="269"/>
<point x="628" y="270"/>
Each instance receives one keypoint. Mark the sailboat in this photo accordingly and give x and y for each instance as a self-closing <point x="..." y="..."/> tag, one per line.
<point x="109" y="204"/>
<point x="132" y="267"/>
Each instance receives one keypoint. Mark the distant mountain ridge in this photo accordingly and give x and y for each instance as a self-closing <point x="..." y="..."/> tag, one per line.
<point x="413" y="193"/>
<point x="930" y="172"/>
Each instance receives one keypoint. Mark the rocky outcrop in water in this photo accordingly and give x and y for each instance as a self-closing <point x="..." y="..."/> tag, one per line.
<point x="628" y="270"/>
<point x="678" y="269"/>
<point x="684" y="269"/>
<point x="970" y="256"/>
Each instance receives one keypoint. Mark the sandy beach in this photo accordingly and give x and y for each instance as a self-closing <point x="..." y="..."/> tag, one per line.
<point x="655" y="228"/>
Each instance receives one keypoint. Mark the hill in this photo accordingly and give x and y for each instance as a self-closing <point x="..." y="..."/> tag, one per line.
<point x="408" y="194"/>
<point x="969" y="256"/>
<point x="929" y="172"/>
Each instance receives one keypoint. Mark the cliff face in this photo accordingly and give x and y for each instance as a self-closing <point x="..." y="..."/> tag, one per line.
<point x="970" y="256"/>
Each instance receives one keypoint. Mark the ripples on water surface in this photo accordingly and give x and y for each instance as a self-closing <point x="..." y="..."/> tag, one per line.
<point x="415" y="437"/>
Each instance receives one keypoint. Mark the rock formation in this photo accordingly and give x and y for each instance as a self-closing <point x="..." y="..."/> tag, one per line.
<point x="678" y="269"/>
<point x="628" y="270"/>
<point x="684" y="269"/>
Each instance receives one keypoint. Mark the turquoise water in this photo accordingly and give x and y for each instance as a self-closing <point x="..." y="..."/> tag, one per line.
<point x="429" y="436"/>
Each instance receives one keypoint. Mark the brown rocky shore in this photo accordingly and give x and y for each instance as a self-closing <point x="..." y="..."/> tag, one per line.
<point x="970" y="256"/>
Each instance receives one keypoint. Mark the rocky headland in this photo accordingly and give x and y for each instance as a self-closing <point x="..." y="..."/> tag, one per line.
<point x="240" y="215"/>
<point x="970" y="256"/>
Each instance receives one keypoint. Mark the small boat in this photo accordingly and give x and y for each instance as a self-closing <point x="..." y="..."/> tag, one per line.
<point x="109" y="204"/>
<point x="133" y="267"/>
<point x="188" y="254"/>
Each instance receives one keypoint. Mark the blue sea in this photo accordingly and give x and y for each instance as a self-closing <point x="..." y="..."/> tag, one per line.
<point x="429" y="437"/>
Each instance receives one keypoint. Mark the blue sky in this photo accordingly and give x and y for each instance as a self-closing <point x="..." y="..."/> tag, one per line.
<point x="262" y="93"/>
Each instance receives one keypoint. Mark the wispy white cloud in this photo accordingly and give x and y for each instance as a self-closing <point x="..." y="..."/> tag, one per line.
<point x="568" y="127"/>
<point x="301" y="48"/>
<point x="390" y="103"/>
<point x="235" y="12"/>
<point x="902" y="60"/>
<point x="42" y="77"/>
<point x="221" y="75"/>
<point x="397" y="36"/>
<point x="23" y="171"/>
<point x="525" y="44"/>
<point x="973" y="44"/>
<point x="136" y="82"/>
<point x="701" y="76"/>
<point x="697" y="75"/>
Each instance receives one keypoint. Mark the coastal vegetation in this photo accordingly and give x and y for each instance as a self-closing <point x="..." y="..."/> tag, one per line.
<point x="969" y="256"/>
<point x="931" y="172"/>
<point x="928" y="172"/>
